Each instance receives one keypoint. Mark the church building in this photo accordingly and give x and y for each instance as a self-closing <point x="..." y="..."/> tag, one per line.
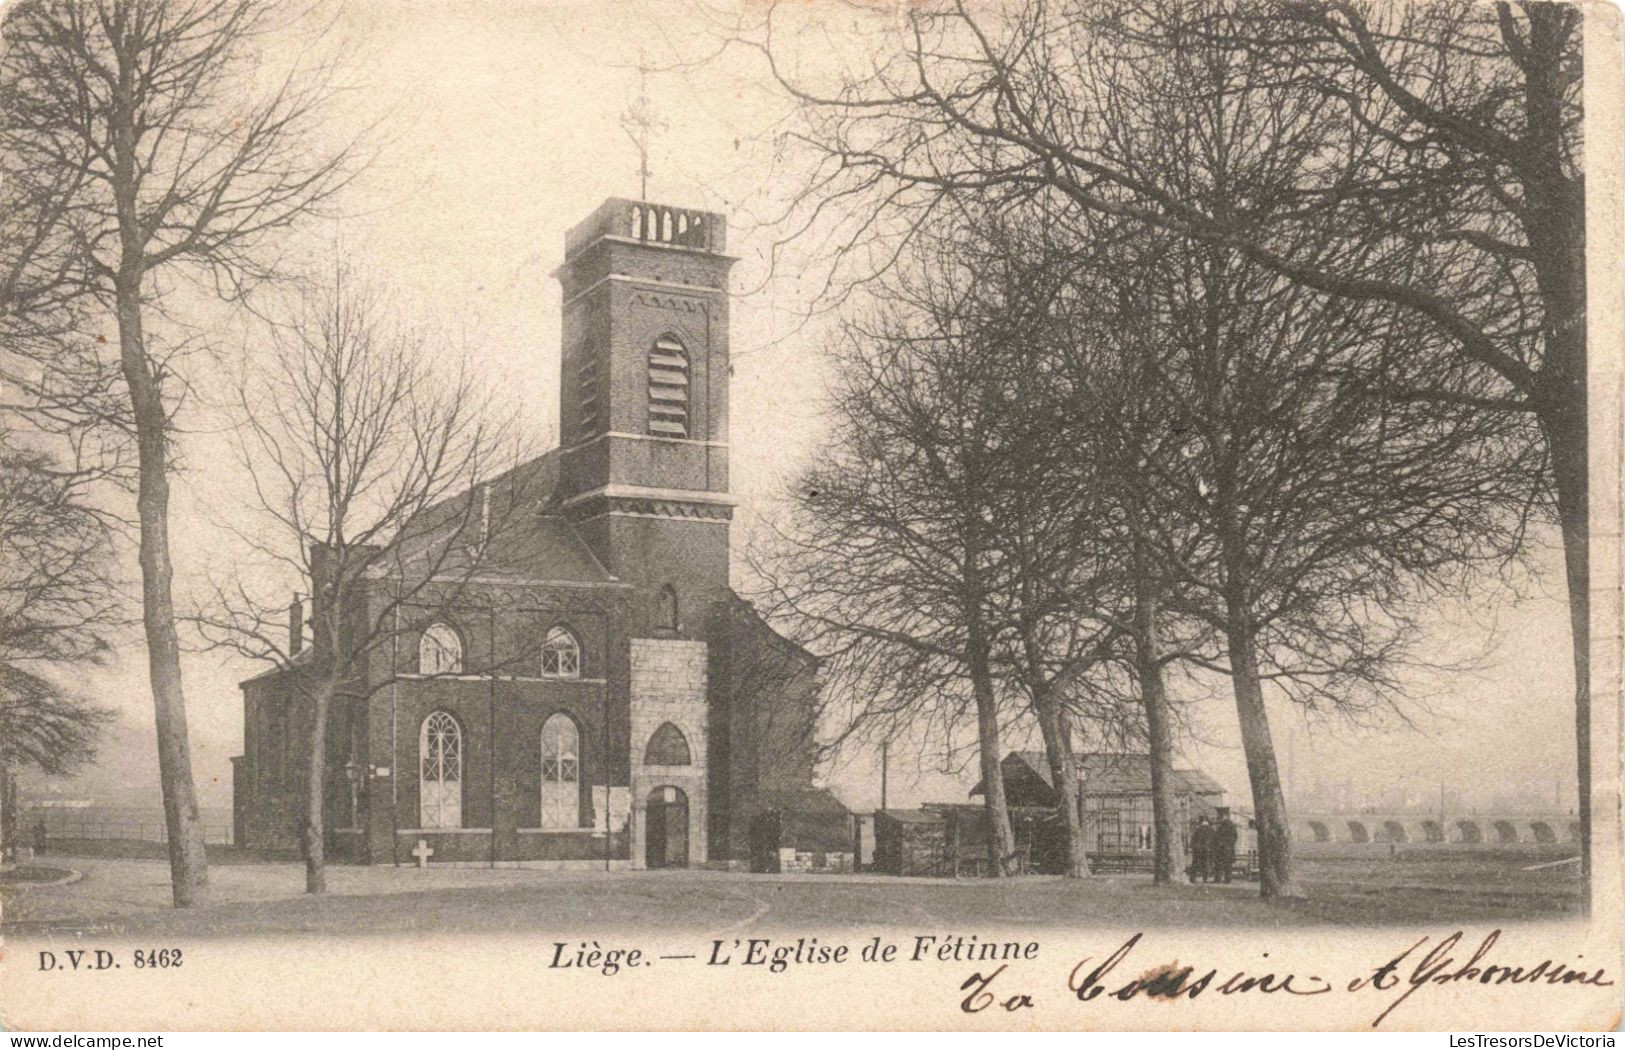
<point x="596" y="695"/>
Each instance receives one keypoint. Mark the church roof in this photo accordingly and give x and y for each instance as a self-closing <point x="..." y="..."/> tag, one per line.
<point x="548" y="548"/>
<point x="746" y="615"/>
<point x="528" y="541"/>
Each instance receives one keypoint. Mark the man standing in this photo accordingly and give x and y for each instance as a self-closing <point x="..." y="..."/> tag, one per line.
<point x="1224" y="847"/>
<point x="1201" y="849"/>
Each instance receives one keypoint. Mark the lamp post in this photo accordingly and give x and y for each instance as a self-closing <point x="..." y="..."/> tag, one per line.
<point x="352" y="773"/>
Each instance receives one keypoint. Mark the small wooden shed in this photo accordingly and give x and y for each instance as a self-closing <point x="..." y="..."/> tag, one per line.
<point x="911" y="842"/>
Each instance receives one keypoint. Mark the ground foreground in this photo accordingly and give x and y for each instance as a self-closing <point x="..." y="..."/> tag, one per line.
<point x="130" y="895"/>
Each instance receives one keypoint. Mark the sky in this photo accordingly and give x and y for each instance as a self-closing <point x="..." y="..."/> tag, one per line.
<point x="496" y="127"/>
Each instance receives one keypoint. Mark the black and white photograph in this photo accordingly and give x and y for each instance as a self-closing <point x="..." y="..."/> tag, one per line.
<point x="810" y="514"/>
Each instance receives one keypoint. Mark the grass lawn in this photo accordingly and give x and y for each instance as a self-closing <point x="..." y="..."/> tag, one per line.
<point x="32" y="873"/>
<point x="1349" y="886"/>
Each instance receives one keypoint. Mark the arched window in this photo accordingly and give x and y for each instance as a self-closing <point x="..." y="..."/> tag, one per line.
<point x="668" y="388"/>
<point x="561" y="773"/>
<point x="561" y="654"/>
<point x="666" y="608"/>
<point x="440" y="772"/>
<point x="667" y="747"/>
<point x="440" y="651"/>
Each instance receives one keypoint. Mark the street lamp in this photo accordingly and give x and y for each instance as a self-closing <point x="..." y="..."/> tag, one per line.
<point x="353" y="772"/>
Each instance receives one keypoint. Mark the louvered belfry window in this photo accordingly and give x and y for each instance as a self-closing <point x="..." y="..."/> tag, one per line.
<point x="668" y="389"/>
<point x="587" y="387"/>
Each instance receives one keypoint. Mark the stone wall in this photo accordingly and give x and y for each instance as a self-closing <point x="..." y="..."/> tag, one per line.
<point x="669" y="684"/>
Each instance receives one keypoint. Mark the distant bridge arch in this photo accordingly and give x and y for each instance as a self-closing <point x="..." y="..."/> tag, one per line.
<point x="1358" y="832"/>
<point x="1505" y="831"/>
<point x="1395" y="831"/>
<point x="1470" y="832"/>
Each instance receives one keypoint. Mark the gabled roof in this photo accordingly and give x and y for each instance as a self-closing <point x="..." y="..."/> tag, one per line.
<point x="300" y="660"/>
<point x="1106" y="773"/>
<point x="528" y="542"/>
<point x="546" y="548"/>
<point x="745" y="614"/>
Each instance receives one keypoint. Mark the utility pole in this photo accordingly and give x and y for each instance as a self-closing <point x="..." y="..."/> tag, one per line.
<point x="885" y="758"/>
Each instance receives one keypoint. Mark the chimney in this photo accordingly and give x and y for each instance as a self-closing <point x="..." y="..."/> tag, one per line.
<point x="296" y="626"/>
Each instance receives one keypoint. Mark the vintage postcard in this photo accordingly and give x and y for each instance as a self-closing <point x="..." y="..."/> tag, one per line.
<point x="1037" y="514"/>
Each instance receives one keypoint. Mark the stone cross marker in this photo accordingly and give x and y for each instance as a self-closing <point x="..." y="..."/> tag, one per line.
<point x="422" y="851"/>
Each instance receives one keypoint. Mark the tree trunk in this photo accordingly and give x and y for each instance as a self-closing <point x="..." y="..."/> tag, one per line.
<point x="1269" y="807"/>
<point x="316" y="793"/>
<point x="1566" y="436"/>
<point x="1556" y="229"/>
<point x="1001" y="838"/>
<point x="188" y="866"/>
<point x="1168" y="859"/>
<point x="8" y="811"/>
<point x="1064" y="772"/>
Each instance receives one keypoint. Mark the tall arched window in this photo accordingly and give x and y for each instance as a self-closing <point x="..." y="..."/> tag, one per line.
<point x="666" y="608"/>
<point x="668" y="388"/>
<point x="440" y="651"/>
<point x="667" y="747"/>
<point x="440" y="772"/>
<point x="561" y="773"/>
<point x="561" y="654"/>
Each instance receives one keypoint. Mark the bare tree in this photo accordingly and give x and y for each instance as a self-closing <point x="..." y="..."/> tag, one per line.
<point x="58" y="603"/>
<point x="1118" y="421"/>
<point x="1435" y="168"/>
<point x="145" y="164"/>
<point x="887" y="567"/>
<point x="1329" y="510"/>
<point x="365" y="464"/>
<point x="1058" y="586"/>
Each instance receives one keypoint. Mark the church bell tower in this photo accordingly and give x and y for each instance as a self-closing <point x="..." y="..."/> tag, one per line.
<point x="644" y="405"/>
<point x="643" y="474"/>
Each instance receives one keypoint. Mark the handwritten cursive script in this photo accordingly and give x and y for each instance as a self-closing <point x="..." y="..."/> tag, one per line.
<point x="1173" y="981"/>
<point x="1404" y="975"/>
<point x="1438" y="966"/>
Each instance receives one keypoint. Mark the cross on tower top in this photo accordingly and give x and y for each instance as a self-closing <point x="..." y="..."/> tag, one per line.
<point x="638" y="121"/>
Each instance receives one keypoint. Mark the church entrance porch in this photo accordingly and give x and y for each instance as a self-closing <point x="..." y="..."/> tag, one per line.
<point x="666" y="823"/>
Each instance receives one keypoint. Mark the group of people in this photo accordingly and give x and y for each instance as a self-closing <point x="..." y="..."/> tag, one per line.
<point x="1213" y="848"/>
